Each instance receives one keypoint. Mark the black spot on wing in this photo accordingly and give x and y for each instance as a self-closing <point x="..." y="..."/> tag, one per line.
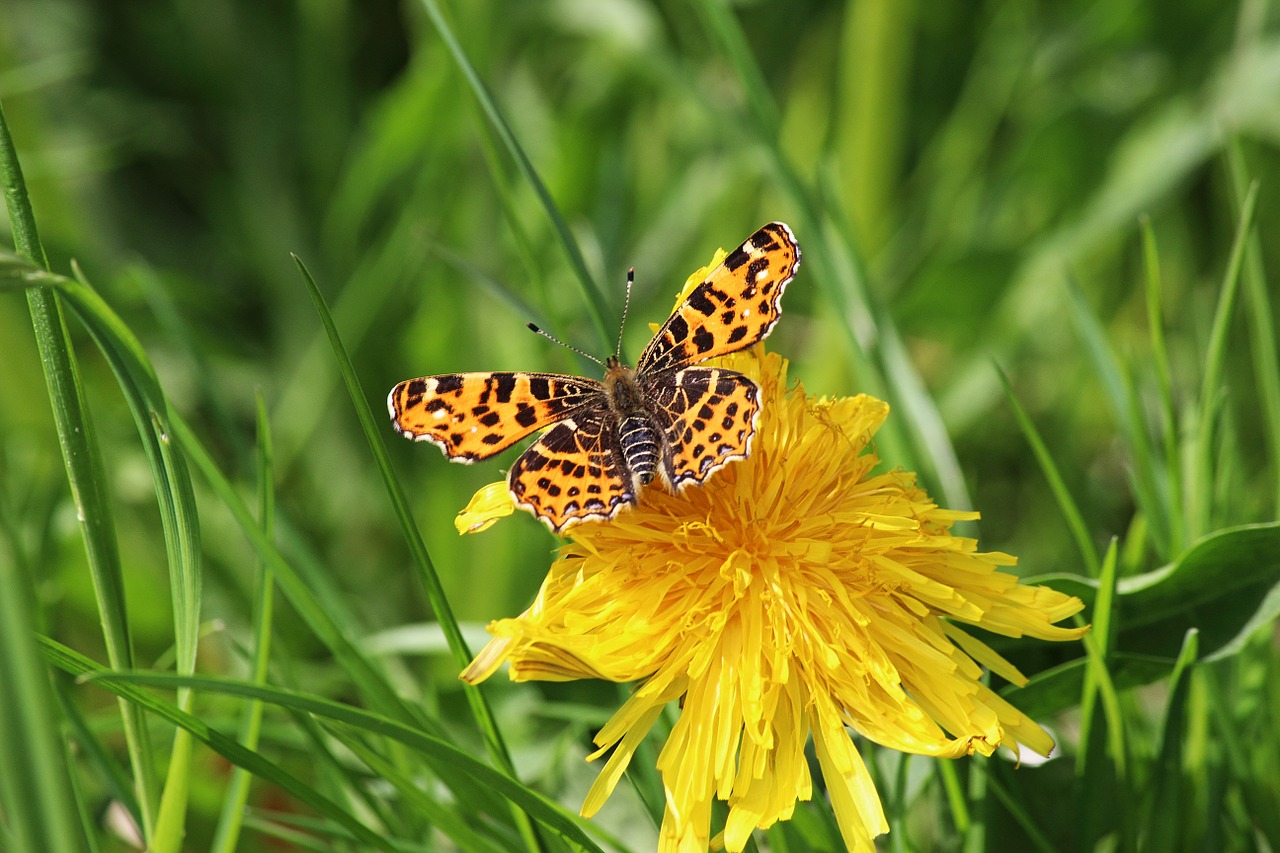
<point x="448" y="384"/>
<point x="699" y="301"/>
<point x="526" y="415"/>
<point x="504" y="384"/>
<point x="736" y="259"/>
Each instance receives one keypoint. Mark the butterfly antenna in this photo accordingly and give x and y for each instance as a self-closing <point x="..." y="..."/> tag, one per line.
<point x="626" y="305"/>
<point x="554" y="339"/>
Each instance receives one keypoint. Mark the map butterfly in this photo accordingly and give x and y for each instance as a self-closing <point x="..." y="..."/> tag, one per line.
<point x="666" y="419"/>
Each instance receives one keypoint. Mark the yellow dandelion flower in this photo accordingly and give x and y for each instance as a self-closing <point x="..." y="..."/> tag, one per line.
<point x="796" y="594"/>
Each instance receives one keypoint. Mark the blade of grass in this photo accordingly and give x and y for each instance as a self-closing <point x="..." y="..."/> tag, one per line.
<point x="1200" y="477"/>
<point x="480" y="709"/>
<point x="593" y="297"/>
<point x="1097" y="780"/>
<point x="78" y="665"/>
<point x="1262" y="338"/>
<point x="174" y="494"/>
<point x="1164" y="803"/>
<point x="1160" y="358"/>
<point x="121" y="349"/>
<point x="237" y="794"/>
<point x="184" y="589"/>
<point x="956" y="802"/>
<point x="441" y="748"/>
<point x="418" y="801"/>
<point x="1066" y="503"/>
<point x="1018" y="812"/>
<point x="86" y="473"/>
<point x="1120" y="397"/>
<point x="842" y="274"/>
<point x="36" y="796"/>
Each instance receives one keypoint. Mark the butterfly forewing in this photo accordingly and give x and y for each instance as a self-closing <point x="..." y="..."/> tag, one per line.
<point x="734" y="307"/>
<point x="473" y="416"/>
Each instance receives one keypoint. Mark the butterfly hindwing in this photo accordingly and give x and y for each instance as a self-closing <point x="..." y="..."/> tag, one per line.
<point x="473" y="416"/>
<point x="710" y="417"/>
<point x="574" y="472"/>
<point x="734" y="307"/>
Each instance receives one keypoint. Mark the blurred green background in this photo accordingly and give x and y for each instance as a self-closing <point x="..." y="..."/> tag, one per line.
<point x="953" y="172"/>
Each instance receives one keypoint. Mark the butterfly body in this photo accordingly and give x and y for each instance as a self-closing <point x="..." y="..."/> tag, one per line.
<point x="664" y="419"/>
<point x="639" y="439"/>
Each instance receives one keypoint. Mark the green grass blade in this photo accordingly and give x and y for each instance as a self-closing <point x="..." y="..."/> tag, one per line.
<point x="372" y="684"/>
<point x="441" y="816"/>
<point x="1262" y="337"/>
<point x="368" y="680"/>
<point x="1018" y="811"/>
<point x="237" y="793"/>
<point x="1097" y="781"/>
<point x="86" y="474"/>
<point x="592" y="296"/>
<point x="1164" y="803"/>
<point x="839" y="269"/>
<point x="79" y="665"/>
<point x="373" y="431"/>
<point x="439" y="747"/>
<point x="1066" y="503"/>
<point x="1200" y="477"/>
<point x="1121" y="399"/>
<point x="36" y="796"/>
<point x="175" y="497"/>
<point x="173" y="488"/>
<point x="1164" y="381"/>
<point x="1098" y="684"/>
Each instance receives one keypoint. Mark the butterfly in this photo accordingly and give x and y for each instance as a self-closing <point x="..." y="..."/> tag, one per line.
<point x="665" y="419"/>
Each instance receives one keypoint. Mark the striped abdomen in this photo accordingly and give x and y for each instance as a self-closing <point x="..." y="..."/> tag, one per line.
<point x="639" y="447"/>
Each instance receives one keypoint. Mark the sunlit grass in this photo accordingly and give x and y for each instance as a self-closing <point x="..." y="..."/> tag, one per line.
<point x="1045" y="239"/>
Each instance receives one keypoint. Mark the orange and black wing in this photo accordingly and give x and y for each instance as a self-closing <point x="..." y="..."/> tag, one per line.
<point x="575" y="472"/>
<point x="473" y="416"/>
<point x="734" y="307"/>
<point x="708" y="416"/>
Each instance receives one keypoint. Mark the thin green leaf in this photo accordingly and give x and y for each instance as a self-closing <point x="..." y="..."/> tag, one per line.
<point x="1098" y="685"/>
<point x="591" y="294"/>
<point x="1200" y="478"/>
<point x="73" y="662"/>
<point x="1262" y="336"/>
<point x="1122" y="400"/>
<point x="36" y="796"/>
<point x="1160" y="358"/>
<point x="1066" y="503"/>
<point x="86" y="473"/>
<point x="174" y="492"/>
<point x="237" y="793"/>
<point x="1165" y="804"/>
<point x="431" y="579"/>
<point x="441" y="749"/>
